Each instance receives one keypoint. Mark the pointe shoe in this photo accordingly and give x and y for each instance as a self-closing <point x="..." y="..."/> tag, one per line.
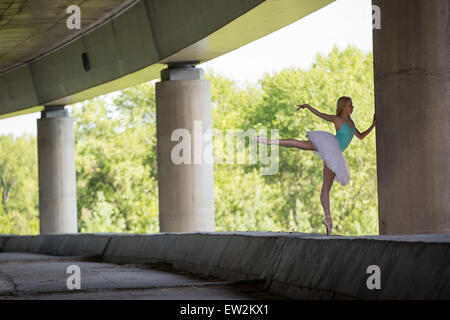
<point x="329" y="226"/>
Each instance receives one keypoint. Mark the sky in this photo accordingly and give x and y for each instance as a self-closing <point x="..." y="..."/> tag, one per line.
<point x="341" y="23"/>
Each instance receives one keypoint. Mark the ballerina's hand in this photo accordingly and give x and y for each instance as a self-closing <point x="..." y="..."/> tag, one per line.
<point x="302" y="106"/>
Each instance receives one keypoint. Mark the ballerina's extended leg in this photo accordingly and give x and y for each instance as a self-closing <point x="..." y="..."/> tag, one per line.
<point x="288" y="143"/>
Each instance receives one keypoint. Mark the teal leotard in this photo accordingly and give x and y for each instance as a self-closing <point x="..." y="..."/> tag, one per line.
<point x="345" y="135"/>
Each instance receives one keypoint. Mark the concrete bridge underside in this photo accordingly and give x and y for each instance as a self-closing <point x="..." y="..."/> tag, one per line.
<point x="127" y="42"/>
<point x="123" y="43"/>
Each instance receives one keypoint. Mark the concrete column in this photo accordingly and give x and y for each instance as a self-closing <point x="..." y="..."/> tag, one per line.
<point x="186" y="190"/>
<point x="57" y="182"/>
<point x="412" y="98"/>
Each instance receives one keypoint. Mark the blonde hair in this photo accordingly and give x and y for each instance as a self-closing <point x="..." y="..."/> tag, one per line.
<point x="341" y="103"/>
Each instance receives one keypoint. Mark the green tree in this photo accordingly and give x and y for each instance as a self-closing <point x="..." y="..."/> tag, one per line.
<point x="116" y="162"/>
<point x="18" y="185"/>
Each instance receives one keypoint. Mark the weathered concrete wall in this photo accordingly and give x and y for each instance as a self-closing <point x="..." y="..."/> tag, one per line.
<point x="302" y="266"/>
<point x="412" y="94"/>
<point x="57" y="244"/>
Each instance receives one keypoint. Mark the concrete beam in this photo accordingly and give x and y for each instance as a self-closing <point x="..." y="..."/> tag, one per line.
<point x="134" y="46"/>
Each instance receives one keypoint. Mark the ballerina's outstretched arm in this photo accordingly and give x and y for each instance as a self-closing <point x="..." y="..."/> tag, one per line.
<point x="324" y="116"/>
<point x="362" y="135"/>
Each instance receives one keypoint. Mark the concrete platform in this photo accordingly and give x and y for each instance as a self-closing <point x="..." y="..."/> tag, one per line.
<point x="27" y="276"/>
<point x="287" y="265"/>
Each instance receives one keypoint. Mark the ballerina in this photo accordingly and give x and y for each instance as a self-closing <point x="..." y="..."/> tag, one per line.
<point x="330" y="148"/>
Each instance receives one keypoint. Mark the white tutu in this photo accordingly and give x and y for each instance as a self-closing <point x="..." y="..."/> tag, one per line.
<point x="327" y="147"/>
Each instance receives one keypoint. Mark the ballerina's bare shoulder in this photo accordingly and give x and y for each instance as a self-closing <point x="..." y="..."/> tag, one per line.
<point x="339" y="122"/>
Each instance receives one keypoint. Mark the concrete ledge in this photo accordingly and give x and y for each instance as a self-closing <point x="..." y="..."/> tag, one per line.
<point x="57" y="244"/>
<point x="301" y="266"/>
<point x="2" y="240"/>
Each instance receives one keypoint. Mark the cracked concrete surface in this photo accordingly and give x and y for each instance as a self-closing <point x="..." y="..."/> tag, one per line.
<point x="39" y="276"/>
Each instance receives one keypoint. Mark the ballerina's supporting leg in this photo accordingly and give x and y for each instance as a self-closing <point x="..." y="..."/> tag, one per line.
<point x="288" y="143"/>
<point x="328" y="178"/>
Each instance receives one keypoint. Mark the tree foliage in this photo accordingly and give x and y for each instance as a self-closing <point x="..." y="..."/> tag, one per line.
<point x="116" y="163"/>
<point x="18" y="185"/>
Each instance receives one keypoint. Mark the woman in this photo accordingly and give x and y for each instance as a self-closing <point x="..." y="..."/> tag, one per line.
<point x="329" y="147"/>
